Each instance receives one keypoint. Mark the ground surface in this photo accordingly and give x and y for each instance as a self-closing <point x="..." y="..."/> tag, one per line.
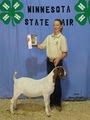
<point x="33" y="109"/>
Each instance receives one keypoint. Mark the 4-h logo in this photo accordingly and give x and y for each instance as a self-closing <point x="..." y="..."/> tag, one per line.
<point x="11" y="11"/>
<point x="83" y="9"/>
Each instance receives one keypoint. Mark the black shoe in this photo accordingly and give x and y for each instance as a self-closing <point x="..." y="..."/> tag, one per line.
<point x="59" y="108"/>
<point x="51" y="106"/>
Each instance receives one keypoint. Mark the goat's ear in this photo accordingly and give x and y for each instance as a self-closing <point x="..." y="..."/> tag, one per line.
<point x="62" y="71"/>
<point x="55" y="71"/>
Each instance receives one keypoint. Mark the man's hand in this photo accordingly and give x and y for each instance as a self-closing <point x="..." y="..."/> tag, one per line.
<point x="27" y="39"/>
<point x="56" y="61"/>
<point x="39" y="47"/>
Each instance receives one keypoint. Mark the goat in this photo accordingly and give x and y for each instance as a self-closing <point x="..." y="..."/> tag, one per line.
<point x="35" y="88"/>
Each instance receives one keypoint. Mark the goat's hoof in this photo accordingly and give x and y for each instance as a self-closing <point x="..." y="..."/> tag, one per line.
<point x="15" y="108"/>
<point x="48" y="115"/>
<point x="12" y="112"/>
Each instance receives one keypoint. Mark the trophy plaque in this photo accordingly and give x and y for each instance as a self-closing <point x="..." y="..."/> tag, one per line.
<point x="34" y="40"/>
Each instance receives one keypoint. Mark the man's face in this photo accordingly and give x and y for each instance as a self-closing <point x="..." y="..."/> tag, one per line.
<point x="57" y="26"/>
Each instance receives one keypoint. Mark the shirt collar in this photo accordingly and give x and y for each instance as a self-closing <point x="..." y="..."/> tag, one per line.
<point x="57" y="35"/>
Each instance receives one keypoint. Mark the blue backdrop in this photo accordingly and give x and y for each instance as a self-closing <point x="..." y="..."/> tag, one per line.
<point x="15" y="56"/>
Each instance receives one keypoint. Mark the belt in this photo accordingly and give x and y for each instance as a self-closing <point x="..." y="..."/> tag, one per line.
<point x="51" y="59"/>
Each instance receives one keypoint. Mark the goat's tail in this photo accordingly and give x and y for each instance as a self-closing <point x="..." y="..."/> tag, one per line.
<point x="14" y="77"/>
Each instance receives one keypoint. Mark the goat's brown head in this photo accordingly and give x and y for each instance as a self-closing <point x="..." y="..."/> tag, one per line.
<point x="58" y="71"/>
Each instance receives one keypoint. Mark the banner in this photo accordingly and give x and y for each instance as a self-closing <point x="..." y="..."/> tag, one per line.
<point x="19" y="18"/>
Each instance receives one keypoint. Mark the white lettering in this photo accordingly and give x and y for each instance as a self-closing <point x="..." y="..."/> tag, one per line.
<point x="81" y="18"/>
<point x="5" y="17"/>
<point x="6" y="6"/>
<point x="16" y="5"/>
<point x="17" y="16"/>
<point x="81" y="6"/>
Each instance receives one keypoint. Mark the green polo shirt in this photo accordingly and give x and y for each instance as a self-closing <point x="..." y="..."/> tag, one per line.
<point x="55" y="46"/>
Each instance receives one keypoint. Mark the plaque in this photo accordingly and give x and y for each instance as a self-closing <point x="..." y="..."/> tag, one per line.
<point x="32" y="40"/>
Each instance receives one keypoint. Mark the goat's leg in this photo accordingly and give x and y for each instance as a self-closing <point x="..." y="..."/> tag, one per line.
<point x="47" y="104"/>
<point x="13" y="102"/>
<point x="12" y="105"/>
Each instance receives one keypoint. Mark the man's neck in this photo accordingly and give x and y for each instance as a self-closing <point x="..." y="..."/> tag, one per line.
<point x="56" y="33"/>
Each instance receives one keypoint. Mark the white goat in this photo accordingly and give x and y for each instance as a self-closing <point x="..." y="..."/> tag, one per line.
<point x="34" y="88"/>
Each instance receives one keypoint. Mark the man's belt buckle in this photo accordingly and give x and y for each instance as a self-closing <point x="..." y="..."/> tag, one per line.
<point x="51" y="59"/>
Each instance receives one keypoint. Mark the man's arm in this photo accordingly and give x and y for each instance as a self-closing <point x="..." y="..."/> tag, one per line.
<point x="56" y="61"/>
